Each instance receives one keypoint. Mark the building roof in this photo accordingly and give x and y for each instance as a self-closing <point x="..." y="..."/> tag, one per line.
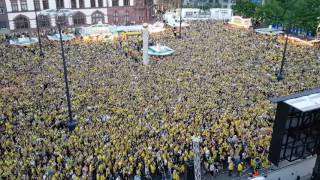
<point x="304" y="101"/>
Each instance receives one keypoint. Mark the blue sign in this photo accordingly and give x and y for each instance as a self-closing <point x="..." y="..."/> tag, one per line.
<point x="257" y="2"/>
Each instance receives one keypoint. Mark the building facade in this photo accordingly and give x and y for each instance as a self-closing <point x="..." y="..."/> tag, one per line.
<point x="130" y="11"/>
<point x="21" y="13"/>
<point x="3" y="15"/>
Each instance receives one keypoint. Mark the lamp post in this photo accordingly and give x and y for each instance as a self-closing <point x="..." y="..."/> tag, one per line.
<point x="71" y="124"/>
<point x="38" y="30"/>
<point x="180" y="22"/>
<point x="145" y="37"/>
<point x="280" y="75"/>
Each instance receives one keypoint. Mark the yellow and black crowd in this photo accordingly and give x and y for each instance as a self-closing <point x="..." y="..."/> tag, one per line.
<point x="137" y="121"/>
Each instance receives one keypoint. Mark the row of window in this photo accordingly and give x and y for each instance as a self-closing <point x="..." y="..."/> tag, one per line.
<point x="116" y="16"/>
<point x="22" y="22"/>
<point x="116" y="2"/>
<point x="60" y="4"/>
<point x="24" y="5"/>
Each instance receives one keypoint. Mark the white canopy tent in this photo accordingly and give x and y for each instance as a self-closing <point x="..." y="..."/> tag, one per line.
<point x="65" y="37"/>
<point x="23" y="41"/>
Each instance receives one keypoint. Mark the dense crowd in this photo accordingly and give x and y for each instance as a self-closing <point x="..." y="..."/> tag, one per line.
<point x="136" y="121"/>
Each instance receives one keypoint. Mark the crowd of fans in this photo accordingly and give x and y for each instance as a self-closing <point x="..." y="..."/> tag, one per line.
<point x="136" y="121"/>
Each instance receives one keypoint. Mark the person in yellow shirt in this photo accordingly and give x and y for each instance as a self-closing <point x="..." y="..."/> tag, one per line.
<point x="175" y="175"/>
<point x="152" y="169"/>
<point x="230" y="168"/>
<point x="240" y="168"/>
<point x="253" y="164"/>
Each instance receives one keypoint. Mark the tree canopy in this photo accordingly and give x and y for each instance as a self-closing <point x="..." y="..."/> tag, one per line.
<point x="245" y="8"/>
<point x="290" y="13"/>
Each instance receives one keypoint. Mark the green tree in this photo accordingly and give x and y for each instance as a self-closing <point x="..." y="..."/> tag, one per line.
<point x="245" y="8"/>
<point x="291" y="13"/>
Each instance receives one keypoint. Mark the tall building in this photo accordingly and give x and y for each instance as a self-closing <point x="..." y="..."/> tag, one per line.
<point x="3" y="15"/>
<point x="21" y="13"/>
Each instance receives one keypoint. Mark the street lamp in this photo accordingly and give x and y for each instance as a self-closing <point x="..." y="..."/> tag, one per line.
<point x="71" y="124"/>
<point x="180" y="19"/>
<point x="280" y="75"/>
<point x="38" y="30"/>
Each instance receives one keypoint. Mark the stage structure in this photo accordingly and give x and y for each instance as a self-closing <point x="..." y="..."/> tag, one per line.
<point x="296" y="130"/>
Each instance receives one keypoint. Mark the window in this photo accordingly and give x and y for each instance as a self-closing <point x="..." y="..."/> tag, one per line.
<point x="43" y="21"/>
<point x="100" y="3"/>
<point x="81" y="3"/>
<point x="37" y="5"/>
<point x="126" y="18"/>
<point x="14" y="5"/>
<point x="115" y="17"/>
<point x="62" y="20"/>
<point x="189" y="14"/>
<point x="73" y="4"/>
<point x="97" y="17"/>
<point x="45" y="4"/>
<point x="2" y="10"/>
<point x="93" y="3"/>
<point x="3" y="24"/>
<point x="115" y="2"/>
<point x="126" y="2"/>
<point x="24" y="5"/>
<point x="79" y="19"/>
<point x="60" y="4"/>
<point x="21" y="22"/>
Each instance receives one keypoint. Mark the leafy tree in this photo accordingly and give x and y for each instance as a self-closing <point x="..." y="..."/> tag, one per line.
<point x="306" y="13"/>
<point x="291" y="13"/>
<point x="245" y="8"/>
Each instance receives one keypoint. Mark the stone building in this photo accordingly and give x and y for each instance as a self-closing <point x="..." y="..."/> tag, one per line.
<point x="21" y="13"/>
<point x="3" y="15"/>
<point x="130" y="11"/>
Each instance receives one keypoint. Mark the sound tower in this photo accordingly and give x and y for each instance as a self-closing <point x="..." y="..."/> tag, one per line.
<point x="296" y="129"/>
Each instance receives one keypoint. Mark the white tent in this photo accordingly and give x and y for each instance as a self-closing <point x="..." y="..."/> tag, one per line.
<point x="269" y="31"/>
<point x="24" y="41"/>
<point x="156" y="27"/>
<point x="191" y="14"/>
<point x="96" y="30"/>
<point x="65" y="37"/>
